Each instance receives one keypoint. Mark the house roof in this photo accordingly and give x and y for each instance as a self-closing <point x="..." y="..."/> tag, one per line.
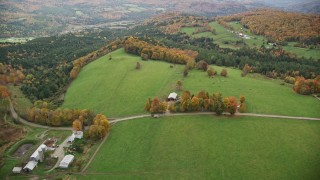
<point x="172" y="95"/>
<point x="31" y="165"/>
<point x="66" y="161"/>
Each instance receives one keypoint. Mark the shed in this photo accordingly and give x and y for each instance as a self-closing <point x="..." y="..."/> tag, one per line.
<point x="172" y="96"/>
<point x="66" y="161"/>
<point x="30" y="166"/>
<point x="17" y="170"/>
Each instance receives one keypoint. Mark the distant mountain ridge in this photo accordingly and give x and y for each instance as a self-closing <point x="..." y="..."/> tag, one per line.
<point x="25" y="18"/>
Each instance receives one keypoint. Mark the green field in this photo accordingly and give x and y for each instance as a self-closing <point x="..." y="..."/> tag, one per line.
<point x="115" y="88"/>
<point x="20" y="102"/>
<point x="302" y="52"/>
<point x="209" y="147"/>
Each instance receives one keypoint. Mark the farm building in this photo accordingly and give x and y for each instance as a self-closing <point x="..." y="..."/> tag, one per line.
<point x="173" y="96"/>
<point x="30" y="166"/>
<point x="74" y="135"/>
<point x="17" y="170"/>
<point x="37" y="156"/>
<point x="66" y="161"/>
<point x="39" y="153"/>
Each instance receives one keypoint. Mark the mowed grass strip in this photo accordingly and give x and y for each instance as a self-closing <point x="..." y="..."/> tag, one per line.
<point x="115" y="88"/>
<point x="210" y="147"/>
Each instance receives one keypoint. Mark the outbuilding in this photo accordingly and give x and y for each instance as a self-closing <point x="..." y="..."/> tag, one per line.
<point x="17" y="170"/>
<point x="172" y="96"/>
<point x="30" y="166"/>
<point x="66" y="161"/>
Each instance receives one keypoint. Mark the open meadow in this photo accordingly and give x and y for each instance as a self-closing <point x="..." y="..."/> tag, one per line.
<point x="116" y="89"/>
<point x="209" y="147"/>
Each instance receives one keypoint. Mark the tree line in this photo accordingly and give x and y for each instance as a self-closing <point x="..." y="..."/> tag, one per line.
<point x="202" y="101"/>
<point x="43" y="113"/>
<point x="149" y="51"/>
<point x="84" y="60"/>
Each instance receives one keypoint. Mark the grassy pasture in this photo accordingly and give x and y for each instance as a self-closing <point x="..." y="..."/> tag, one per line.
<point x="209" y="147"/>
<point x="20" y="102"/>
<point x="302" y="52"/>
<point x="115" y="88"/>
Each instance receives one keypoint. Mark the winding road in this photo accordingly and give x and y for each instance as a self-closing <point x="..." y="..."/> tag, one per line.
<point x="23" y="121"/>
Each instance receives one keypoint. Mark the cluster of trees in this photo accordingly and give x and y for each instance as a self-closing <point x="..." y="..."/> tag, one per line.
<point x="149" y="51"/>
<point x="42" y="113"/>
<point x="200" y="102"/>
<point x="99" y="128"/>
<point x="82" y="61"/>
<point x="8" y="74"/>
<point x="307" y="86"/>
<point x="204" y="102"/>
<point x="155" y="106"/>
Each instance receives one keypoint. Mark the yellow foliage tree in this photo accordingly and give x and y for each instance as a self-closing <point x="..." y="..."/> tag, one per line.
<point x="77" y="125"/>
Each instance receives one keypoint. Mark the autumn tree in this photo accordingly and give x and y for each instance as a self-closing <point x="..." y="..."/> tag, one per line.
<point x="155" y="106"/>
<point x="211" y="72"/>
<point x="224" y="72"/>
<point x="171" y="107"/>
<point x="77" y="125"/>
<point x="191" y="63"/>
<point x="202" y="65"/>
<point x="195" y="103"/>
<point x="164" y="106"/>
<point x="231" y="105"/>
<point x="100" y="127"/>
<point x="185" y="104"/>
<point x="218" y="105"/>
<point x="246" y="69"/>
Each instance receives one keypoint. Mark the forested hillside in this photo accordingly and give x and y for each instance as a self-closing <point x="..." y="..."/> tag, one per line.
<point x="47" y="62"/>
<point x="280" y="25"/>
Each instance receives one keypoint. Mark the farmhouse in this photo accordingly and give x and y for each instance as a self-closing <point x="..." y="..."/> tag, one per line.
<point x="173" y="96"/>
<point x="66" y="161"/>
